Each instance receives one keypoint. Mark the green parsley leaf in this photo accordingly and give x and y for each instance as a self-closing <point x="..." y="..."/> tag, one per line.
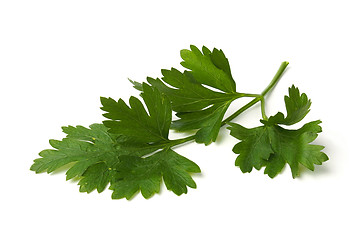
<point x="186" y="94"/>
<point x="145" y="174"/>
<point x="273" y="146"/>
<point x="254" y="148"/>
<point x="197" y="106"/>
<point x="86" y="149"/>
<point x="146" y="130"/>
<point x="297" y="107"/>
<point x="96" y="158"/>
<point x="135" y="122"/>
<point x="209" y="68"/>
<point x="97" y="176"/>
<point x="293" y="147"/>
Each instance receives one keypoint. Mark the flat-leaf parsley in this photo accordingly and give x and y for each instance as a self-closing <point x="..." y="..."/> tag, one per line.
<point x="131" y="151"/>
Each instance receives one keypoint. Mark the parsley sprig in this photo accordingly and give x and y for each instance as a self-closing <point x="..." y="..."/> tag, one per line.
<point x="131" y="151"/>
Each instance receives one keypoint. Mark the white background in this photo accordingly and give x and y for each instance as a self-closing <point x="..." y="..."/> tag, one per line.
<point x="58" y="57"/>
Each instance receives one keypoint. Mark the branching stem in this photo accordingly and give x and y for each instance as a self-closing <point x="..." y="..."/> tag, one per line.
<point x="257" y="98"/>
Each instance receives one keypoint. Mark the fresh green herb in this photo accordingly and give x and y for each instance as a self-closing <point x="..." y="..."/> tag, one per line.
<point x="131" y="150"/>
<point x="119" y="155"/>
<point x="272" y="146"/>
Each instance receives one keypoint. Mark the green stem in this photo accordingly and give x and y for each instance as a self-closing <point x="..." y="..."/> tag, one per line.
<point x="182" y="140"/>
<point x="263" y="114"/>
<point x="241" y="110"/>
<point x="257" y="98"/>
<point x="276" y="78"/>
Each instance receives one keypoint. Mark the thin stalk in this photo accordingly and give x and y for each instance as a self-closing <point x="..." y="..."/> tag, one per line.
<point x="276" y="78"/>
<point x="181" y="140"/>
<point x="259" y="97"/>
<point x="263" y="114"/>
<point x="241" y="110"/>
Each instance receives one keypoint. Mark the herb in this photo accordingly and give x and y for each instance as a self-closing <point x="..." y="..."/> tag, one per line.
<point x="131" y="150"/>
<point x="120" y="155"/>
<point x="272" y="146"/>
